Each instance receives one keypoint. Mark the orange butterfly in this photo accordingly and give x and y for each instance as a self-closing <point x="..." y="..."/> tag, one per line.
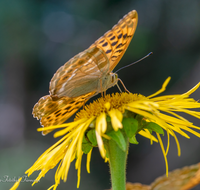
<point x="86" y="74"/>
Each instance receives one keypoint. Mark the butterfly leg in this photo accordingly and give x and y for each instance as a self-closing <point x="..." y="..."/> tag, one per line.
<point x="119" y="88"/>
<point x="101" y="88"/>
<point x="122" y="85"/>
<point x="104" y="93"/>
<point x="84" y="103"/>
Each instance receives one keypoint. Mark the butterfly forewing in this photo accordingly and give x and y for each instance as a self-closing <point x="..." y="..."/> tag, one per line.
<point x="86" y="74"/>
<point x="115" y="42"/>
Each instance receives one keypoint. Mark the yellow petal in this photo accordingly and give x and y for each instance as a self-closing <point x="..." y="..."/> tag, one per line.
<point x="88" y="161"/>
<point x="100" y="145"/>
<point x="162" y="89"/>
<point x="147" y="135"/>
<point x="16" y="185"/>
<point x="116" y="119"/>
<point x="101" y="124"/>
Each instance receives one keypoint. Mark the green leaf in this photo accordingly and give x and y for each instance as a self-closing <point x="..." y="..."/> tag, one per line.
<point x="154" y="127"/>
<point x="130" y="126"/>
<point x="133" y="140"/>
<point x="109" y="127"/>
<point x="84" y="140"/>
<point x="139" y="117"/>
<point x="128" y="114"/>
<point x="118" y="137"/>
<point x="86" y="148"/>
<point x="92" y="137"/>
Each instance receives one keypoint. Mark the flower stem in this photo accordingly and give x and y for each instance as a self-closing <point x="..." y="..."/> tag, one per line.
<point x="117" y="163"/>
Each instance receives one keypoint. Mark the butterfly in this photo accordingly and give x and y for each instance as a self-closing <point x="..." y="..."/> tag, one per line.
<point x="86" y="74"/>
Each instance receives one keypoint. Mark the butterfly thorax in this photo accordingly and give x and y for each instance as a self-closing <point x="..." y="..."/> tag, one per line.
<point x="108" y="81"/>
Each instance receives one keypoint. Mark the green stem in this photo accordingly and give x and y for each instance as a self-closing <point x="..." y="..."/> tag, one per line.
<point x="117" y="163"/>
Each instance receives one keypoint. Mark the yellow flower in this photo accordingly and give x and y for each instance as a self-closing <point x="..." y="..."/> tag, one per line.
<point x="111" y="117"/>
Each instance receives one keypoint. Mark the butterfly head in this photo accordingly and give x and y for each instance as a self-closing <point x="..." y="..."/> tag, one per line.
<point x="109" y="80"/>
<point x="114" y="78"/>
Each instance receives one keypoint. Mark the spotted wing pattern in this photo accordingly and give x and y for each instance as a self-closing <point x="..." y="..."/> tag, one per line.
<point x="54" y="111"/>
<point x="77" y="80"/>
<point x="115" y="42"/>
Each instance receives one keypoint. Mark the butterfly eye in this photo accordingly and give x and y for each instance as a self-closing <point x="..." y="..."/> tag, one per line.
<point x="114" y="78"/>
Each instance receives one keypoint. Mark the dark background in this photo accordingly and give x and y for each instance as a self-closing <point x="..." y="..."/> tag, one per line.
<point x="38" y="36"/>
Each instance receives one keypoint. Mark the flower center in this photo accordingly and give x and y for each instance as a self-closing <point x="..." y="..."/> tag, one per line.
<point x="104" y="104"/>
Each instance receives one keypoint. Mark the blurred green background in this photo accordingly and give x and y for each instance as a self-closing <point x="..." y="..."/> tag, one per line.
<point x="38" y="36"/>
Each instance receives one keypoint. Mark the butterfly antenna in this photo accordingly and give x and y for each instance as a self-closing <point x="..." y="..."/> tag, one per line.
<point x="135" y="62"/>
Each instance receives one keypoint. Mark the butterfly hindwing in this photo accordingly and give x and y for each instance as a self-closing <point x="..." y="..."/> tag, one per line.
<point x="54" y="110"/>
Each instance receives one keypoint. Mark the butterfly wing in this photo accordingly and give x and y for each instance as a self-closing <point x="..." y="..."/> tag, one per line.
<point x="115" y="42"/>
<point x="80" y="75"/>
<point x="54" y="110"/>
